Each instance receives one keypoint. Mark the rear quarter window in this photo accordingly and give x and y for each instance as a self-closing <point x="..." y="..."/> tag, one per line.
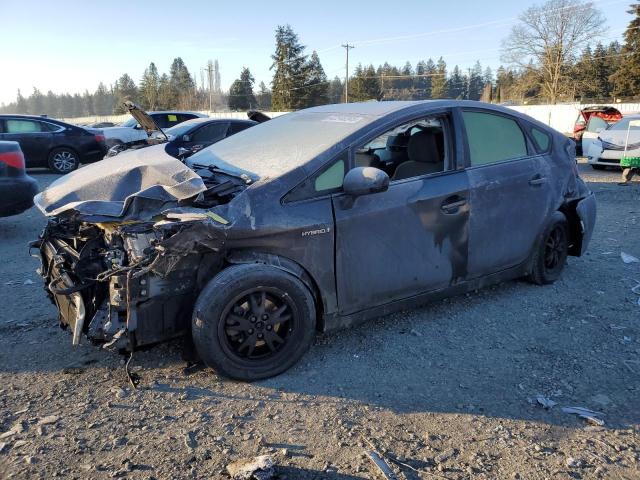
<point x="541" y="140"/>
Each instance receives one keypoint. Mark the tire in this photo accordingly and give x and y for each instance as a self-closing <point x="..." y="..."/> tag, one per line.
<point x="598" y="167"/>
<point x="551" y="254"/>
<point x="241" y="303"/>
<point x="63" y="160"/>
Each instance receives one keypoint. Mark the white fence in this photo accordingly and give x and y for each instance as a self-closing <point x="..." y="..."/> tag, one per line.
<point x="560" y="117"/>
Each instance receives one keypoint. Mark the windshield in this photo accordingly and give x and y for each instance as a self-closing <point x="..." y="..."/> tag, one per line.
<point x="273" y="148"/>
<point x="180" y="129"/>
<point x="624" y="124"/>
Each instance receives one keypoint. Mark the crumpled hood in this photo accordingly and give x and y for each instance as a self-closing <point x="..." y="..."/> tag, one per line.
<point x="135" y="185"/>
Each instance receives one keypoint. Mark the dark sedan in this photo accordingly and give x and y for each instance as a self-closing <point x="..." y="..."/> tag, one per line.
<point x="17" y="189"/>
<point x="51" y="143"/>
<point x="311" y="221"/>
<point x="194" y="135"/>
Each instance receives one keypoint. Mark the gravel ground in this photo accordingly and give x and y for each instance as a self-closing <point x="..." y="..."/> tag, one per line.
<point x="449" y="390"/>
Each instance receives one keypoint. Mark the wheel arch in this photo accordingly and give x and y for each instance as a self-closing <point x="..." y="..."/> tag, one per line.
<point x="287" y="265"/>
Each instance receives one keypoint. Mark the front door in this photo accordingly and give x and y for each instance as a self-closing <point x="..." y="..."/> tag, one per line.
<point x="412" y="238"/>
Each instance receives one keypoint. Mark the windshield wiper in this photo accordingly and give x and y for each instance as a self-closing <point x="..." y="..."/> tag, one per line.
<point x="213" y="169"/>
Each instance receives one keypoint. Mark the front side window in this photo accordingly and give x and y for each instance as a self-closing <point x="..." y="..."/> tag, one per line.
<point x="22" y="126"/>
<point x="624" y="124"/>
<point x="493" y="138"/>
<point x="409" y="150"/>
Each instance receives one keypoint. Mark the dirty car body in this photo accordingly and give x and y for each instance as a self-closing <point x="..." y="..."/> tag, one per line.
<point x="314" y="220"/>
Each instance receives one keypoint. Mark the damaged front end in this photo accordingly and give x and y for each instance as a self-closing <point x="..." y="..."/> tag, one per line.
<point x="124" y="255"/>
<point x="128" y="285"/>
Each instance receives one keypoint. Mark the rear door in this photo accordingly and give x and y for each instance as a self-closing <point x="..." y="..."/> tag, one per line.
<point x="34" y="139"/>
<point x="510" y="194"/>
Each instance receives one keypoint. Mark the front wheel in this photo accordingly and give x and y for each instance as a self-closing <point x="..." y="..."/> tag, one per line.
<point x="551" y="254"/>
<point x="63" y="160"/>
<point x="253" y="321"/>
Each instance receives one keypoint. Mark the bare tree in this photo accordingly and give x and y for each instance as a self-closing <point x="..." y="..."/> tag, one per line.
<point x="550" y="35"/>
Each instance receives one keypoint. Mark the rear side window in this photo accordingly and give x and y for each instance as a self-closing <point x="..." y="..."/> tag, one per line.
<point x="542" y="139"/>
<point x="183" y="117"/>
<point x="493" y="138"/>
<point x="22" y="126"/>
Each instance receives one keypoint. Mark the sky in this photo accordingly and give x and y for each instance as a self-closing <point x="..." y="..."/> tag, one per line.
<point x="70" y="46"/>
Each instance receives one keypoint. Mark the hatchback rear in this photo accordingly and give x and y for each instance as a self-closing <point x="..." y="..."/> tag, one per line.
<point x="17" y="189"/>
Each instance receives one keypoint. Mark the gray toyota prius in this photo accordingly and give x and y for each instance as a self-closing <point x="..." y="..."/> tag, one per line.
<point x="312" y="221"/>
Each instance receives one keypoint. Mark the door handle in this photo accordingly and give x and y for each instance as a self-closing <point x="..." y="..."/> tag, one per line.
<point x="537" y="180"/>
<point x="453" y="205"/>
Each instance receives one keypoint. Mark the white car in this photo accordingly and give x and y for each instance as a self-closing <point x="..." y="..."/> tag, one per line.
<point x="131" y="132"/>
<point x="609" y="146"/>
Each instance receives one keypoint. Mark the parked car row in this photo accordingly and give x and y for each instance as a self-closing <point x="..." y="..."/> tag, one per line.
<point x="62" y="147"/>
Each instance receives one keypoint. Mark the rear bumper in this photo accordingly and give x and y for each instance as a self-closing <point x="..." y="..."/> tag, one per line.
<point x="586" y="210"/>
<point x="16" y="194"/>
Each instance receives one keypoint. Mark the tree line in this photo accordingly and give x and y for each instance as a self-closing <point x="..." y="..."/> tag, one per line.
<point x="547" y="57"/>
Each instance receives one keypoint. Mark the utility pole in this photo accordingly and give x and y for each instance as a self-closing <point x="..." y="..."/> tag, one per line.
<point x="347" y="47"/>
<point x="210" y="78"/>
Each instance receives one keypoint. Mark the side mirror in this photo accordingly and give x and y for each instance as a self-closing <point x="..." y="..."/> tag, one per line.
<point x="365" y="180"/>
<point x="186" y="138"/>
<point x="184" y="152"/>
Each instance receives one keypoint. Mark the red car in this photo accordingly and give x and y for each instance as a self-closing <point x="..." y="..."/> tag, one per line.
<point x="608" y="114"/>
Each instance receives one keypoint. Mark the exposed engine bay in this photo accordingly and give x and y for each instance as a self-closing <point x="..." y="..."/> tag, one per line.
<point x="132" y="283"/>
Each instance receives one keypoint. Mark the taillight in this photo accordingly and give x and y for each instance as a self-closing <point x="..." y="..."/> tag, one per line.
<point x="99" y="138"/>
<point x="11" y="155"/>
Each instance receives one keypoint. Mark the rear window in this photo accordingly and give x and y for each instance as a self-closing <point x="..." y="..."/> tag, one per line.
<point x="493" y="138"/>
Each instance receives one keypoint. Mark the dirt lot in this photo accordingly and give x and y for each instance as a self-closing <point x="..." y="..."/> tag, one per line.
<point x="449" y="390"/>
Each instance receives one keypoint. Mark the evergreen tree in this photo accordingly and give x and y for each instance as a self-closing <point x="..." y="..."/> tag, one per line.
<point x="87" y="102"/>
<point x="166" y="97"/>
<point x="289" y="62"/>
<point x="102" y="100"/>
<point x="476" y="83"/>
<point x="336" y="90"/>
<point x="364" y="85"/>
<point x="36" y="102"/>
<point x="241" y="92"/>
<point x="264" y="97"/>
<point x="125" y="89"/>
<point x="455" y="85"/>
<point x="182" y="84"/>
<point x="149" y="85"/>
<point x="21" y="104"/>
<point x="317" y="87"/>
<point x="626" y="80"/>
<point x="439" y="82"/>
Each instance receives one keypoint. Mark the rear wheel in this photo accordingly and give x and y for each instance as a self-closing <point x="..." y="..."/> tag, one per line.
<point x="551" y="254"/>
<point x="253" y="321"/>
<point x="63" y="160"/>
